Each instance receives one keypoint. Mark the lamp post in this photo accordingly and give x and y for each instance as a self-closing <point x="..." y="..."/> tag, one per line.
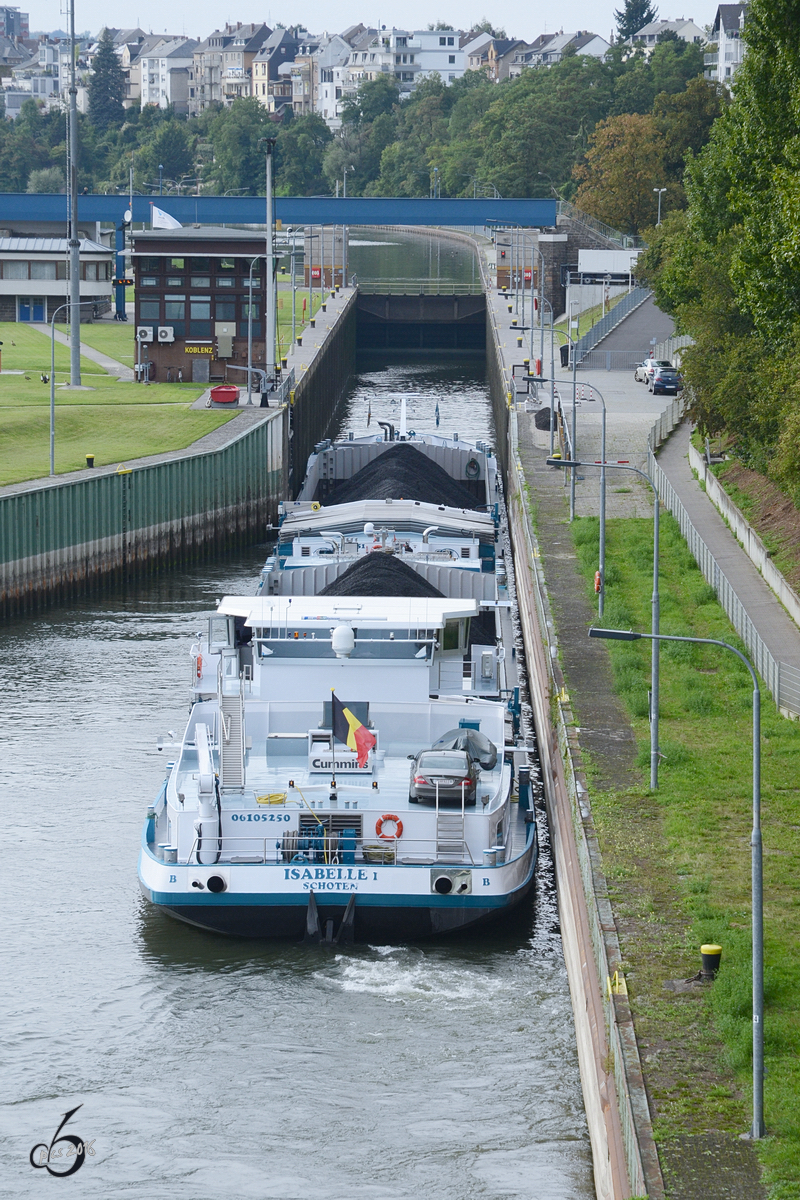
<point x="660" y="192"/>
<point x="270" y="270"/>
<point x="53" y="380"/>
<point x="257" y="258"/>
<point x="655" y="603"/>
<point x="160" y="179"/>
<point x="757" y="1129"/>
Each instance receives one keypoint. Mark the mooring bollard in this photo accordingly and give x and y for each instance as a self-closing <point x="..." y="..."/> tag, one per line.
<point x="710" y="956"/>
<point x="89" y="460"/>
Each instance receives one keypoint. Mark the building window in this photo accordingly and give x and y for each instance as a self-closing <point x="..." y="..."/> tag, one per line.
<point x="452" y="58"/>
<point x="255" y="307"/>
<point x="149" y="264"/>
<point x="15" y="270"/>
<point x="397" y="59"/>
<point x="225" y="281"/>
<point x="174" y="281"/>
<point x="201" y="264"/>
<point x="174" y="308"/>
<point x="442" y="41"/>
<point x="150" y="310"/>
<point x="148" y="281"/>
<point x="200" y="308"/>
<point x="176" y="264"/>
<point x="227" y="264"/>
<point x="243" y="329"/>
<point x="201" y="281"/>
<point x="43" y="270"/>
<point x="451" y="41"/>
<point x="226" y="310"/>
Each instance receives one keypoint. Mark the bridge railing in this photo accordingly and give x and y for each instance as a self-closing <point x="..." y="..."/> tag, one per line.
<point x="419" y="287"/>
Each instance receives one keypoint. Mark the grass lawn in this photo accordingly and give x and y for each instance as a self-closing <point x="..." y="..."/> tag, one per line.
<point x="590" y="316"/>
<point x="114" y="338"/>
<point x="26" y="349"/>
<point x="18" y="392"/>
<point x="680" y="858"/>
<point x="112" y="433"/>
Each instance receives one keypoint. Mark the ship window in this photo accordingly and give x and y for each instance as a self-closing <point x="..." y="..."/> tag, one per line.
<point x="451" y="635"/>
<point x="465" y="551"/>
<point x="176" y="264"/>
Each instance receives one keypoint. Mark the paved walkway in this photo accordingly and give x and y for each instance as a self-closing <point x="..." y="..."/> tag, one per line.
<point x="779" y="632"/>
<point x="110" y="365"/>
<point x="637" y="331"/>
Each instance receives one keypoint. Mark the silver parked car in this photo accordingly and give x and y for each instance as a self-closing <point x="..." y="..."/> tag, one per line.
<point x="450" y="772"/>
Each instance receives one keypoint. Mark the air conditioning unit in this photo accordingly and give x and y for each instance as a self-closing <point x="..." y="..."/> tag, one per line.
<point x="144" y="333"/>
<point x="166" y="333"/>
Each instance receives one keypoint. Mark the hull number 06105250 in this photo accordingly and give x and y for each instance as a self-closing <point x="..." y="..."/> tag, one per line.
<point x="261" y="817"/>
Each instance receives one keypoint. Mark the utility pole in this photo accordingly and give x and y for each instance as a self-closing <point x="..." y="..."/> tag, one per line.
<point x="74" y="241"/>
<point x="270" y="268"/>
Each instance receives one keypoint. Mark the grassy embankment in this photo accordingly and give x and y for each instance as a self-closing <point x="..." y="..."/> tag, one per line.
<point x="590" y="316"/>
<point x="678" y="861"/>
<point x="114" y="421"/>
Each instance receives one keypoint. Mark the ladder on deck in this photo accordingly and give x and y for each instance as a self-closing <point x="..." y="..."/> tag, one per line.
<point x="450" y="836"/>
<point x="231" y="742"/>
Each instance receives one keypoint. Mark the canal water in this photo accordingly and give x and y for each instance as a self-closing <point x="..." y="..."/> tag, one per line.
<point x="208" y="1067"/>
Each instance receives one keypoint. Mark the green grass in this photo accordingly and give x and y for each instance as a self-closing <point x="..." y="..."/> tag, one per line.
<point x="112" y="433"/>
<point x="114" y="338"/>
<point x="590" y="316"/>
<point x="18" y="392"/>
<point x="703" y="813"/>
<point x="26" y="349"/>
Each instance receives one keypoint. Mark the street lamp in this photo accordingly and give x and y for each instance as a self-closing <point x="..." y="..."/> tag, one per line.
<point x="757" y="1129"/>
<point x="160" y="179"/>
<point x="257" y="258"/>
<point x="655" y="604"/>
<point x="270" y="268"/>
<point x="660" y="192"/>
<point x="82" y="304"/>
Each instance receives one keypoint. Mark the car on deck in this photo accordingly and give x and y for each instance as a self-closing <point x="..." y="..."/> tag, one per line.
<point x="446" y="772"/>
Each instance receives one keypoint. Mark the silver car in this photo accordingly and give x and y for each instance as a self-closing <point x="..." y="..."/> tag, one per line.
<point x="446" y="772"/>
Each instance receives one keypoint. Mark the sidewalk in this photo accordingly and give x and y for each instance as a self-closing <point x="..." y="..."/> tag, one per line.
<point x="109" y="365"/>
<point x="778" y="631"/>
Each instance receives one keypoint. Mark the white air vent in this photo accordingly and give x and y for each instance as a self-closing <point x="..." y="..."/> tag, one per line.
<point x="144" y="333"/>
<point x="166" y="333"/>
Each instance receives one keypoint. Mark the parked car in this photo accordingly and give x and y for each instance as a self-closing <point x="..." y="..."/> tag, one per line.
<point x="452" y="770"/>
<point x="645" y="370"/>
<point x="665" y="379"/>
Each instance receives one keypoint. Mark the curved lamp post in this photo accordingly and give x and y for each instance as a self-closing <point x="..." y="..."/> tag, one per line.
<point x="757" y="1129"/>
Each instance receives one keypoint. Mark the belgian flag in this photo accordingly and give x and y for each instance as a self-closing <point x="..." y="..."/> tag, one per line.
<point x="350" y="731"/>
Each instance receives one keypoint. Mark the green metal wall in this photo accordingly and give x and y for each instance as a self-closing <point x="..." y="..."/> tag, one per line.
<point x="63" y="537"/>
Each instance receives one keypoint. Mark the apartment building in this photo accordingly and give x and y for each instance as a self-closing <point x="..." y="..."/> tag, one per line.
<point x="13" y="23"/>
<point x="727" y="46"/>
<point x="165" y="72"/>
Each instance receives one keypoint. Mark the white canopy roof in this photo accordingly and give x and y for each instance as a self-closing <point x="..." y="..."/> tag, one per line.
<point x="410" y="515"/>
<point x="304" y="612"/>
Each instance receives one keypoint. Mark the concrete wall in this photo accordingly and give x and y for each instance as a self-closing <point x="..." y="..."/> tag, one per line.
<point x="320" y="388"/>
<point x="60" y="539"/>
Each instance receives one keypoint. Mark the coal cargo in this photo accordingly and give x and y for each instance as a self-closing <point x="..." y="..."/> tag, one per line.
<point x="403" y="473"/>
<point x="381" y="574"/>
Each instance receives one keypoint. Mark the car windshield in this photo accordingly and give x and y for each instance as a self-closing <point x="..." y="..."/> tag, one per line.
<point x="455" y="760"/>
<point x="661" y="362"/>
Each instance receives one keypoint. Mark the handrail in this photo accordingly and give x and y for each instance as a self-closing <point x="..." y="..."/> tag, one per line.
<point x="418" y="287"/>
<point x="621" y="309"/>
<point x="271" y="851"/>
<point x="624" y="240"/>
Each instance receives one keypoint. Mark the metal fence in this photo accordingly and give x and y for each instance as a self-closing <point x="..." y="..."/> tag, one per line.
<point x="610" y="360"/>
<point x="625" y="240"/>
<point x="781" y="679"/>
<point x="671" y="346"/>
<point x="419" y="287"/>
<point x="626" y="305"/>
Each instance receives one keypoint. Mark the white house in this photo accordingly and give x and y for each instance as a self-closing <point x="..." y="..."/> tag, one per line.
<point x="165" y="74"/>
<point x="727" y="48"/>
<point x="684" y="28"/>
<point x="33" y="277"/>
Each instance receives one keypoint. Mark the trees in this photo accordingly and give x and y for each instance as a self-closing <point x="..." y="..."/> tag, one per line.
<point x="107" y="85"/>
<point x="625" y="162"/>
<point x="299" y="156"/>
<point x="239" y="164"/>
<point x="633" y="16"/>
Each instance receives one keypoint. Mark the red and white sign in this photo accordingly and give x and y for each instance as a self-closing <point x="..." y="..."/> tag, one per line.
<point x="316" y="272"/>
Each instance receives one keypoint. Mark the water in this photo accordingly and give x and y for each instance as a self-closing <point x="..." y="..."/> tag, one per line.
<point x="209" y="1067"/>
<point x="410" y="257"/>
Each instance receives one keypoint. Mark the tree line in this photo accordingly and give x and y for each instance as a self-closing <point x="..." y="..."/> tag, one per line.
<point x="726" y="266"/>
<point x="565" y="127"/>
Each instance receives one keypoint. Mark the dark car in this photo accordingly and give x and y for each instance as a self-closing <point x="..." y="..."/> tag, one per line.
<point x="665" y="379"/>
<point x="451" y="770"/>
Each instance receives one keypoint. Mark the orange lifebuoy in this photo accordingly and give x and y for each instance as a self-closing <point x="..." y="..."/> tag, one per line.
<point x="199" y="667"/>
<point x="382" y="820"/>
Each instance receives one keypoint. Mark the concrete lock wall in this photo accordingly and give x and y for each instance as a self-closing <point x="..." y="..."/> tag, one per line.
<point x="62" y="538"/>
